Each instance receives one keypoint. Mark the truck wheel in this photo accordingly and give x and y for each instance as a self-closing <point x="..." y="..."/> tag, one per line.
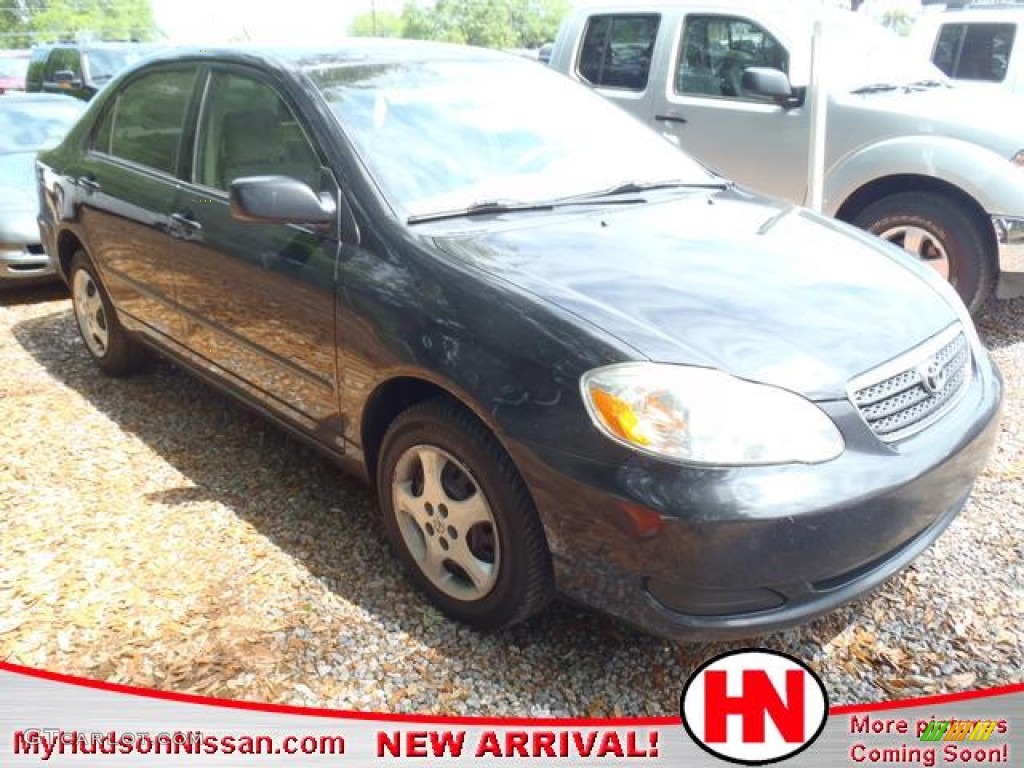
<point x="935" y="230"/>
<point x="459" y="517"/>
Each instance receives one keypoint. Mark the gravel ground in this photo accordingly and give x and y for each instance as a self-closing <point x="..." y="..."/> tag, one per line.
<point x="154" y="533"/>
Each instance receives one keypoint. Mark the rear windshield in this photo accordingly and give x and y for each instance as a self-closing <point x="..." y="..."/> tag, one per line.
<point x="13" y="67"/>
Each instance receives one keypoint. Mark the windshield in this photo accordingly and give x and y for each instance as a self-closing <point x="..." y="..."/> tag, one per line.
<point x="18" y="170"/>
<point x="13" y="67"/>
<point x="105" y="63"/>
<point x="445" y="135"/>
<point x="33" y="125"/>
<point x="860" y="53"/>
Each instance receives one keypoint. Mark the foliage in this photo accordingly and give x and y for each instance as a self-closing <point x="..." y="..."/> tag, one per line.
<point x="23" y="22"/>
<point x="490" y="23"/>
<point x="379" y="24"/>
<point x="898" y="20"/>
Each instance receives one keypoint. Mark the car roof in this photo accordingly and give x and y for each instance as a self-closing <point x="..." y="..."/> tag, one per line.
<point x="981" y="14"/>
<point x="97" y="44"/>
<point x="49" y="98"/>
<point x="348" y="52"/>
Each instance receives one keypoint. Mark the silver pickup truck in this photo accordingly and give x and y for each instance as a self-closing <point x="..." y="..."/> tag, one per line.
<point x="935" y="169"/>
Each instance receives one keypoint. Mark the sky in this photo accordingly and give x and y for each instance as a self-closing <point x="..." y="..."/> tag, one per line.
<point x="207" y="21"/>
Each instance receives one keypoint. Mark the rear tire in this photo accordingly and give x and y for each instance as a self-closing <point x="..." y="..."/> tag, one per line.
<point x="115" y="352"/>
<point x="460" y="518"/>
<point x="936" y="230"/>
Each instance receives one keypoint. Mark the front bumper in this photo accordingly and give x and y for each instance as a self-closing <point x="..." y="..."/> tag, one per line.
<point x="1010" y="240"/>
<point x="693" y="553"/>
<point x="25" y="264"/>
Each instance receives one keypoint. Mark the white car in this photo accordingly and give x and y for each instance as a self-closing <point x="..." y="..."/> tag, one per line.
<point x="28" y="123"/>
<point x="976" y="46"/>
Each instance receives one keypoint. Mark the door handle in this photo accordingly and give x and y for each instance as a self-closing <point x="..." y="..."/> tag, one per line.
<point x="89" y="183"/>
<point x="671" y="117"/>
<point x="186" y="221"/>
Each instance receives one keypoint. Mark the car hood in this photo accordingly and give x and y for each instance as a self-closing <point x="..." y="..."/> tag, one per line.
<point x="988" y="118"/>
<point x="766" y="292"/>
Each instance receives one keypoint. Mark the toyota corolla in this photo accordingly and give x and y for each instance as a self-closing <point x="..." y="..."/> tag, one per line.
<point x="570" y="359"/>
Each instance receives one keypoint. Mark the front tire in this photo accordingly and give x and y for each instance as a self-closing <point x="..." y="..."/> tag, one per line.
<point x="460" y="518"/>
<point x="934" y="229"/>
<point x="115" y="352"/>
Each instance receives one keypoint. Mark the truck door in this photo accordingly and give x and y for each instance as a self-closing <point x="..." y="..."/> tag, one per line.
<point x="616" y="57"/>
<point x="745" y="137"/>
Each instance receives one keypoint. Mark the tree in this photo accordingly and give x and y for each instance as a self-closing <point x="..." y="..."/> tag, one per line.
<point x="378" y="24"/>
<point x="536" y="21"/>
<point x="490" y="23"/>
<point x="26" y="21"/>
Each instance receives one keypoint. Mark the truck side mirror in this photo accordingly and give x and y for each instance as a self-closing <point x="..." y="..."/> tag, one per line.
<point x="772" y="84"/>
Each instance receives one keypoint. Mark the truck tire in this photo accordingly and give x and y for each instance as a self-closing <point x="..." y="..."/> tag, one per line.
<point x="936" y="230"/>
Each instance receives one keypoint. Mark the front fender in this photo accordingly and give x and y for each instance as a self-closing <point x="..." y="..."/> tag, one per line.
<point x="996" y="184"/>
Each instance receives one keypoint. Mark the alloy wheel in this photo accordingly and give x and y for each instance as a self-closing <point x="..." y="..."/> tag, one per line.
<point x="446" y="522"/>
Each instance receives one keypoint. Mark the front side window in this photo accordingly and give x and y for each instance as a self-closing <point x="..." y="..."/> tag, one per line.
<point x="617" y="50"/>
<point x="248" y="130"/>
<point x="975" y="51"/>
<point x="147" y="122"/>
<point x="716" y="50"/>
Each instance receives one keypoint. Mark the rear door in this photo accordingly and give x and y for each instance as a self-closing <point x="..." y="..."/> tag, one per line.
<point x="258" y="298"/>
<point x="616" y="56"/>
<point x="127" y="185"/>
<point x="703" y="104"/>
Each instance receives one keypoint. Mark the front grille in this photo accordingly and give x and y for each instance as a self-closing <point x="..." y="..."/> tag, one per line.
<point x="913" y="391"/>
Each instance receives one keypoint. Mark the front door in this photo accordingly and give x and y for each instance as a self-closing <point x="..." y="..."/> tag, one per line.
<point x="740" y="135"/>
<point x="258" y="298"/>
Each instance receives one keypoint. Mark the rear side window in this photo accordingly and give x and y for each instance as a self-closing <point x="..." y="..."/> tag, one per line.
<point x="63" y="60"/>
<point x="975" y="51"/>
<point x="101" y="134"/>
<point x="617" y="50"/>
<point x="147" y="122"/>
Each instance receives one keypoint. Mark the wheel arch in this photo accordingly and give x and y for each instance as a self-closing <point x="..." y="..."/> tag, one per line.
<point x="68" y="244"/>
<point x="398" y="393"/>
<point x="878" y="189"/>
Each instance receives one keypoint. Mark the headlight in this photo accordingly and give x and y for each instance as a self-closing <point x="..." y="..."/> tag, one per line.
<point x="1018" y="159"/>
<point x="707" y="417"/>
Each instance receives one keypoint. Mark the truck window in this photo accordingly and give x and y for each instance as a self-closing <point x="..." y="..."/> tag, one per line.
<point x="616" y="51"/>
<point x="716" y="49"/>
<point x="975" y="51"/>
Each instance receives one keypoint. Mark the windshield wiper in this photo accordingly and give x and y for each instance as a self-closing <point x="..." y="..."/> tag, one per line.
<point x="876" y="88"/>
<point x="632" y="187"/>
<point x="905" y="87"/>
<point x="489" y="207"/>
<point x="480" y="208"/>
<point x="928" y="84"/>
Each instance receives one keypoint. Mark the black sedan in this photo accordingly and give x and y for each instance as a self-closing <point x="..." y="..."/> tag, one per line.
<point x="570" y="359"/>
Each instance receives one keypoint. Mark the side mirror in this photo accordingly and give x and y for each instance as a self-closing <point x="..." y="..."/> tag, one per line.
<point x="770" y="83"/>
<point x="278" y="199"/>
<point x="66" y="78"/>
